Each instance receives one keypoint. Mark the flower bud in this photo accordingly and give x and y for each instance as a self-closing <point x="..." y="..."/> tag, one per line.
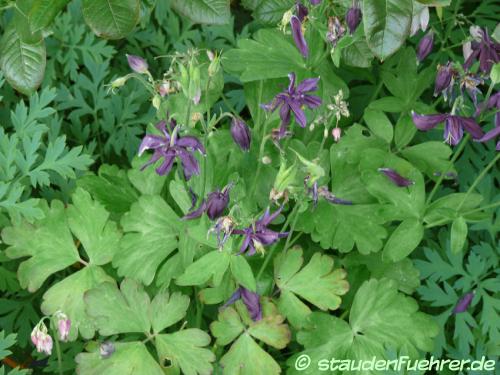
<point x="464" y="303"/>
<point x="41" y="339"/>
<point x="353" y="18"/>
<point x="119" y="82"/>
<point x="217" y="202"/>
<point x="156" y="102"/>
<point x="443" y="78"/>
<point x="63" y="325"/>
<point x="396" y="178"/>
<point x="336" y="133"/>
<point x="137" y="64"/>
<point x="285" y="177"/>
<point x="266" y="160"/>
<point x="240" y="133"/>
<point x="298" y="36"/>
<point x="214" y="66"/>
<point x="301" y="11"/>
<point x="106" y="349"/>
<point x="425" y="46"/>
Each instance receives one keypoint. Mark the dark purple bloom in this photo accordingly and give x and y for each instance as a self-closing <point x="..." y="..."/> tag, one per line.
<point x="335" y="30"/>
<point x="444" y="78"/>
<point x="463" y="303"/>
<point x="241" y="134"/>
<point x="214" y="205"/>
<point x="298" y="36"/>
<point x="169" y="147"/>
<point x="293" y="100"/>
<point x="137" y="64"/>
<point x="353" y="18"/>
<point x="301" y="11"/>
<point x="251" y="301"/>
<point x="485" y="50"/>
<point x="257" y="235"/>
<point x="454" y="126"/>
<point x="396" y="178"/>
<point x="425" y="46"/>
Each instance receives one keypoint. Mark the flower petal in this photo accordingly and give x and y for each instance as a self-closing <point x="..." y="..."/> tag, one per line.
<point x="300" y="116"/>
<point x="309" y="84"/>
<point x="191" y="142"/>
<point x="470" y="125"/>
<point x="427" y="122"/>
<point x="495" y="132"/>
<point x="395" y="177"/>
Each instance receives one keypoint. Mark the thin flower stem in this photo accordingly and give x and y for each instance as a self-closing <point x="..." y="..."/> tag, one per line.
<point x="259" y="162"/>
<point x="259" y="110"/>
<point x="445" y="221"/>
<point x="58" y="348"/>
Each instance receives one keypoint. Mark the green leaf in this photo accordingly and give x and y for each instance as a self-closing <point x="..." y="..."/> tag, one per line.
<point x="435" y="3"/>
<point x="166" y="310"/>
<point x="404" y="131"/>
<point x="185" y="351"/>
<point x="379" y="124"/>
<point x="5" y="343"/>
<point x="204" y="11"/>
<point x="403" y="240"/>
<point x="271" y="11"/>
<point x="43" y="12"/>
<point x="357" y="54"/>
<point x="148" y="182"/>
<point x="458" y="234"/>
<point x="111" y="19"/>
<point x="22" y="63"/>
<point x="128" y="359"/>
<point x="380" y="316"/>
<point x="151" y="234"/>
<point x="242" y="272"/>
<point x="386" y="24"/>
<point x="212" y="265"/>
<point x="430" y="157"/>
<point x="270" y="55"/>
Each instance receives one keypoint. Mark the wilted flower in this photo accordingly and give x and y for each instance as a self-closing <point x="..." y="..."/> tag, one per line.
<point x="63" y="325"/>
<point x="41" y="339"/>
<point x="336" y="134"/>
<point x="420" y="18"/>
<point x="224" y="226"/>
<point x="293" y="100"/>
<point x="251" y="301"/>
<point x="396" y="178"/>
<point x="486" y="50"/>
<point x="425" y="46"/>
<point x="301" y="11"/>
<point x="316" y="192"/>
<point x="257" y="235"/>
<point x="214" y="205"/>
<point x="298" y="36"/>
<point x="353" y="18"/>
<point x="335" y="30"/>
<point x="106" y="349"/>
<point x="454" y="126"/>
<point x="170" y="147"/>
<point x="463" y="303"/>
<point x="137" y="64"/>
<point x="444" y="79"/>
<point x="241" y="133"/>
<point x="164" y="88"/>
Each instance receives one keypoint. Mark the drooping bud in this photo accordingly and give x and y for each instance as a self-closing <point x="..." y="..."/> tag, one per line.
<point x="353" y="18"/>
<point x="137" y="64"/>
<point x="217" y="202"/>
<point x="396" y="178"/>
<point x="425" y="46"/>
<point x="241" y="133"/>
<point x="41" y="339"/>
<point x="443" y="78"/>
<point x="214" y="66"/>
<point x="464" y="303"/>
<point x="106" y="349"/>
<point x="298" y="36"/>
<point x="63" y="325"/>
<point x="119" y="82"/>
<point x="336" y="133"/>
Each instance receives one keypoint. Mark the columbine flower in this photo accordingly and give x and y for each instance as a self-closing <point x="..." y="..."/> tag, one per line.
<point x="293" y="100"/>
<point x="41" y="339"/>
<point x="251" y="301"/>
<point x="454" y="126"/>
<point x="214" y="205"/>
<point x="63" y="325"/>
<point x="298" y="36"/>
<point x="170" y="147"/>
<point x="241" y="134"/>
<point x="396" y="178"/>
<point x="137" y="64"/>
<point x="257" y="235"/>
<point x="444" y="79"/>
<point x="420" y="18"/>
<point x="353" y="18"/>
<point x="335" y="30"/>
<point x="425" y="46"/>
<point x="463" y="303"/>
<point x="485" y="50"/>
<point x="106" y="349"/>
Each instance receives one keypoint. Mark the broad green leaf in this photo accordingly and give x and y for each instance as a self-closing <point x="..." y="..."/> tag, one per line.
<point x="386" y="24"/>
<point x="148" y="182"/>
<point x="317" y="283"/>
<point x="166" y="310"/>
<point x="43" y="12"/>
<point x="405" y="238"/>
<point x="404" y="131"/>
<point x="151" y="234"/>
<point x="379" y="124"/>
<point x="48" y="243"/>
<point x="212" y="265"/>
<point x="242" y="272"/>
<point x="185" y="351"/>
<point x="121" y="310"/>
<point x="357" y="54"/>
<point x="435" y="3"/>
<point x="228" y="326"/>
<point x="458" y="234"/>
<point x="389" y="104"/>
<point x="111" y="19"/>
<point x="446" y="208"/>
<point x="380" y="316"/>
<point x="67" y="296"/>
<point x="269" y="55"/>
<point x="271" y="329"/>
<point x="129" y="358"/>
<point x="204" y="11"/>
<point x="271" y="11"/>
<point x="430" y="157"/>
<point x="22" y="63"/>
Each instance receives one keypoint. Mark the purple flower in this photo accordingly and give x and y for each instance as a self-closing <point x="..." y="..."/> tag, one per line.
<point x="444" y="78"/>
<point x="257" y="235"/>
<point x="335" y="30"/>
<point x="214" y="205"/>
<point x="41" y="339"/>
<point x="293" y="100"/>
<point x="493" y="102"/>
<point x="63" y="325"/>
<point x="137" y="64"/>
<point x="396" y="178"/>
<point x="106" y="349"/>
<point x="485" y="50"/>
<point x="353" y="18"/>
<point x="169" y="147"/>
<point x="315" y="2"/>
<point x="463" y="303"/>
<point x="251" y="301"/>
<point x="298" y="36"/>
<point x="301" y="11"/>
<point x="241" y="134"/>
<point x="454" y="126"/>
<point x="425" y="46"/>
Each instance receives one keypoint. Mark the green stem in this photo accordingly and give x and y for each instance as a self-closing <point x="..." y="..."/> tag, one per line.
<point x="259" y="163"/>
<point x="445" y="221"/>
<point x="58" y="349"/>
